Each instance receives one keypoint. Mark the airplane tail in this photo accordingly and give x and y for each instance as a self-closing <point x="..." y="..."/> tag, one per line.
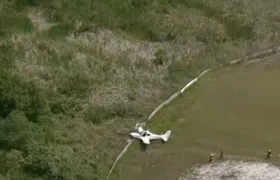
<point x="166" y="136"/>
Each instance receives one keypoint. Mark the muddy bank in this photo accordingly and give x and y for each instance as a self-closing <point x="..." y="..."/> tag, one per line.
<point x="234" y="170"/>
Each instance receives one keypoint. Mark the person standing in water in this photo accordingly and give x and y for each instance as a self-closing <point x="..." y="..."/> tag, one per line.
<point x="268" y="155"/>
<point x="221" y="154"/>
<point x="210" y="158"/>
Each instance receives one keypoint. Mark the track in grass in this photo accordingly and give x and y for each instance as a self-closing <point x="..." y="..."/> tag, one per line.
<point x="234" y="109"/>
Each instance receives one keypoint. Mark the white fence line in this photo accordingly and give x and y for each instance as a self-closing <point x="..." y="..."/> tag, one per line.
<point x="163" y="104"/>
<point x="256" y="57"/>
<point x="120" y="155"/>
<point x="188" y="85"/>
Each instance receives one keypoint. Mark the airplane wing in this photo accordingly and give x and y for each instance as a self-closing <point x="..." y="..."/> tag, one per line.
<point x="145" y="140"/>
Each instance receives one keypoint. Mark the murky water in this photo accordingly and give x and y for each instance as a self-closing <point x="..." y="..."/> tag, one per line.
<point x="234" y="170"/>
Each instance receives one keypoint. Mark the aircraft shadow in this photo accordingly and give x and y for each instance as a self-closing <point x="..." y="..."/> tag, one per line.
<point x="142" y="146"/>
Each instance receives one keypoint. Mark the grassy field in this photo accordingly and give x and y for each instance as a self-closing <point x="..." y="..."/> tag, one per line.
<point x="233" y="109"/>
<point x="76" y="75"/>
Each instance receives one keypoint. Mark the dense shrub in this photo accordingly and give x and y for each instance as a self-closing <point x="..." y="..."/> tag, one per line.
<point x="27" y="139"/>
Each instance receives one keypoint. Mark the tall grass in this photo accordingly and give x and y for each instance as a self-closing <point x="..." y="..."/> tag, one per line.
<point x="101" y="66"/>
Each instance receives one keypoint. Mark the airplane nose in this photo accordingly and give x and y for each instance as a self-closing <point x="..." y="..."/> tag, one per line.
<point x="132" y="135"/>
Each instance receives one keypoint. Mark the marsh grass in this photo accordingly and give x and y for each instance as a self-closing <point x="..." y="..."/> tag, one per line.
<point x="102" y="66"/>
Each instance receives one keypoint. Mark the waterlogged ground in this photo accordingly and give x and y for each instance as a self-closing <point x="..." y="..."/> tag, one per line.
<point x="234" y="109"/>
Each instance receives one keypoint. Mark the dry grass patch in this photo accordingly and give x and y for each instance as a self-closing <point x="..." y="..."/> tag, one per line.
<point x="38" y="19"/>
<point x="97" y="94"/>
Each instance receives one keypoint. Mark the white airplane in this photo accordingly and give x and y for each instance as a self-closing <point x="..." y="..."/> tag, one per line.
<point x="146" y="136"/>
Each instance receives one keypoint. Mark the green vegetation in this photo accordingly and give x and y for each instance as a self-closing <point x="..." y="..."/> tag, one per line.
<point x="76" y="75"/>
<point x="230" y="109"/>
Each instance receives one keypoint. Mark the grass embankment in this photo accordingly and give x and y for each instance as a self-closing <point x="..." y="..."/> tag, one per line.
<point x="75" y="76"/>
<point x="230" y="109"/>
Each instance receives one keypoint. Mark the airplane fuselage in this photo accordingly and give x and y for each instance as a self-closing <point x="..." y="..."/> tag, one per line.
<point x="147" y="136"/>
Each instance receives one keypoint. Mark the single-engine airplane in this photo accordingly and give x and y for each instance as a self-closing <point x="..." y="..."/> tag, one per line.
<point x="146" y="136"/>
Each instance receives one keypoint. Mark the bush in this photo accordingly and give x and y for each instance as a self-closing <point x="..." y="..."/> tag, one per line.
<point x="235" y="27"/>
<point x="97" y="114"/>
<point x="57" y="162"/>
<point x="16" y="131"/>
<point x="7" y="55"/>
<point x="27" y="136"/>
<point x="28" y="2"/>
<point x="59" y="31"/>
<point x="161" y="57"/>
<point x="21" y="95"/>
<point x="15" y="24"/>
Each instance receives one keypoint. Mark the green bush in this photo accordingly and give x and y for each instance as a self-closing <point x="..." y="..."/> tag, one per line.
<point x="27" y="136"/>
<point x="17" y="94"/>
<point x="53" y="162"/>
<point x="7" y="55"/>
<point x="59" y="31"/>
<point x="16" y="131"/>
<point x="15" y="24"/>
<point x="161" y="57"/>
<point x="97" y="114"/>
<point x="235" y="27"/>
<point x="28" y="2"/>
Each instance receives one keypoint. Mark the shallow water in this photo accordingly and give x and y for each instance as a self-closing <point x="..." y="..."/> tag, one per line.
<point x="234" y="170"/>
